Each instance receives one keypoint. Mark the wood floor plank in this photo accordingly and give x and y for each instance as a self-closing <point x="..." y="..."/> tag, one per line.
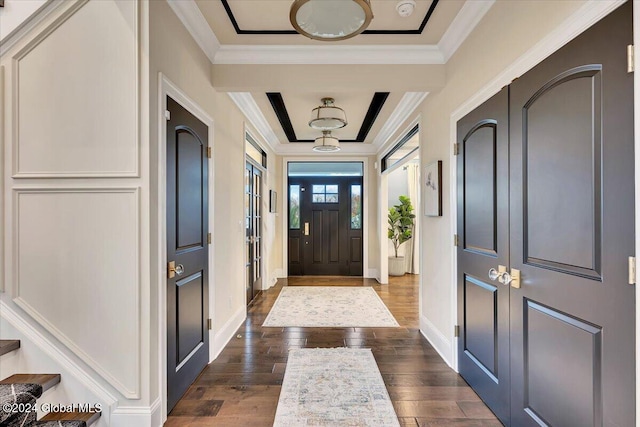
<point x="242" y="386"/>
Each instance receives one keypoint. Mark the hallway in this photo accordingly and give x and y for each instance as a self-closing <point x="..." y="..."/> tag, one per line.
<point x="241" y="387"/>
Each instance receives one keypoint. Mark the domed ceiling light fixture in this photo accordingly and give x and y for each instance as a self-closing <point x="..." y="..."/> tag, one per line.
<point x="330" y="20"/>
<point x="326" y="143"/>
<point x="328" y="116"/>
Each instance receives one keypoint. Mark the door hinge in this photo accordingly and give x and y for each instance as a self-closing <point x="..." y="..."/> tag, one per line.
<point x="631" y="67"/>
<point x="632" y="270"/>
<point x="456" y="331"/>
<point x="209" y="152"/>
<point x="167" y="114"/>
<point x="209" y="238"/>
<point x="456" y="149"/>
<point x="209" y="324"/>
<point x="456" y="240"/>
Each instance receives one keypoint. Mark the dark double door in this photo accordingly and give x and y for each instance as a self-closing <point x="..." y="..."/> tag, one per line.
<point x="187" y="250"/>
<point x="326" y="238"/>
<point x="546" y="189"/>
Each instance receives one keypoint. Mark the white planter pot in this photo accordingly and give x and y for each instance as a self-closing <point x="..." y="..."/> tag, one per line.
<point x="396" y="266"/>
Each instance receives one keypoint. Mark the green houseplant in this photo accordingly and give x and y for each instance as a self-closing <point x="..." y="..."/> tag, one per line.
<point x="401" y="221"/>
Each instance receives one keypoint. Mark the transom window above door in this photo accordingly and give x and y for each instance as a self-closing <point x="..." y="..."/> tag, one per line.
<point x="325" y="193"/>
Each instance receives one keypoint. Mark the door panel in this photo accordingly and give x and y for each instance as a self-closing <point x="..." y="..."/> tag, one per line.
<point x="187" y="209"/>
<point x="483" y="305"/>
<point x="331" y="206"/>
<point x="572" y="229"/>
<point x="253" y="230"/>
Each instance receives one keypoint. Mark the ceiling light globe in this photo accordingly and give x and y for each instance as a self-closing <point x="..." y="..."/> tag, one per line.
<point x="330" y="20"/>
<point x="326" y="143"/>
<point x="327" y="116"/>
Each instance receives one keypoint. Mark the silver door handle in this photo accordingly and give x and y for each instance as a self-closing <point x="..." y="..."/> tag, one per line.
<point x="505" y="278"/>
<point x="498" y="274"/>
<point x="493" y="274"/>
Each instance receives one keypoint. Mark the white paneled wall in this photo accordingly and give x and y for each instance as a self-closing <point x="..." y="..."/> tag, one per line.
<point x="76" y="190"/>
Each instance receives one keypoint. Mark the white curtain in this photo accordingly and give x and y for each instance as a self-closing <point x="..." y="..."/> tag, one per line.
<point x="412" y="249"/>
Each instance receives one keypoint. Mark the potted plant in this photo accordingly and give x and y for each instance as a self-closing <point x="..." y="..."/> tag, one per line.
<point x="400" y="230"/>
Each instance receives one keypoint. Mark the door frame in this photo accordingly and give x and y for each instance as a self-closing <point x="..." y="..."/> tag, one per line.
<point x="365" y="200"/>
<point x="584" y="18"/>
<point x="263" y="170"/>
<point x="167" y="88"/>
<point x="383" y="197"/>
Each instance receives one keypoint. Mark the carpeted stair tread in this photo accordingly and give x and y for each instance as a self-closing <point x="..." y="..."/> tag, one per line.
<point x="87" y="417"/>
<point x="45" y="380"/>
<point x="16" y="396"/>
<point x="74" y="423"/>
<point x="7" y="346"/>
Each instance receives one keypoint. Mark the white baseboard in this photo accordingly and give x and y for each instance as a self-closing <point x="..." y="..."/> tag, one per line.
<point x="372" y="273"/>
<point x="227" y="332"/>
<point x="437" y="339"/>
<point x="128" y="416"/>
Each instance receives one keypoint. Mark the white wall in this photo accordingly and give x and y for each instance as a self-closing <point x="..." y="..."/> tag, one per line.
<point x="74" y="189"/>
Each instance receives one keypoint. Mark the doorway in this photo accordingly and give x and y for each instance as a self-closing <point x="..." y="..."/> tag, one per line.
<point x="255" y="169"/>
<point x="325" y="223"/>
<point x="546" y="225"/>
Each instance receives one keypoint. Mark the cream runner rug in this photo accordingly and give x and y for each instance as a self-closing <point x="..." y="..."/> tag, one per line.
<point x="329" y="306"/>
<point x="334" y="387"/>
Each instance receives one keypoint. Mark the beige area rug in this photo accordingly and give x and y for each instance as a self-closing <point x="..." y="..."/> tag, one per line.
<point x="334" y="387"/>
<point x="329" y="306"/>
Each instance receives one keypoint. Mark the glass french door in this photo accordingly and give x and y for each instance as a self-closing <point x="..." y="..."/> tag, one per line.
<point x="253" y="230"/>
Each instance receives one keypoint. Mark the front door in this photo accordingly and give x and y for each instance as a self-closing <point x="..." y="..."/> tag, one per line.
<point x="187" y="250"/>
<point x="569" y="217"/>
<point x="326" y="239"/>
<point x="483" y="226"/>
<point x="572" y="231"/>
<point x="253" y="230"/>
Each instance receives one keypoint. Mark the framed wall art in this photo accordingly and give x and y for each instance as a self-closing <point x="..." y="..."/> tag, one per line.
<point x="433" y="191"/>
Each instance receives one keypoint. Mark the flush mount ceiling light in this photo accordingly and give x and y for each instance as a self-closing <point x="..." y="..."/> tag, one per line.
<point x="330" y="20"/>
<point x="328" y="116"/>
<point x="326" y="143"/>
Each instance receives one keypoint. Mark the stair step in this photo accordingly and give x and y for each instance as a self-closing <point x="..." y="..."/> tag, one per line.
<point x="45" y="380"/>
<point x="7" y="346"/>
<point x="60" y="424"/>
<point x="87" y="417"/>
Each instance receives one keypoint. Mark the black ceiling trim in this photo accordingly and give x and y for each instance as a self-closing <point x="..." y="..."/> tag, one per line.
<point x="234" y="22"/>
<point x="379" y="98"/>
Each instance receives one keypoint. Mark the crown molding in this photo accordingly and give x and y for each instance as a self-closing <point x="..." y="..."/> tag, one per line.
<point x="194" y="21"/>
<point x="305" y="54"/>
<point x="462" y="25"/>
<point x="252" y="112"/>
<point x="407" y="105"/>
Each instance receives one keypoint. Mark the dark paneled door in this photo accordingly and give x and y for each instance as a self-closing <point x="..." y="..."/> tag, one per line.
<point x="187" y="250"/>
<point x="327" y="237"/>
<point x="572" y="231"/>
<point x="483" y="227"/>
<point x="253" y="230"/>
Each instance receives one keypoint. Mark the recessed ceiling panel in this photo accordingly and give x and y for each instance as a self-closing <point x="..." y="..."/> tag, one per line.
<point x="267" y="22"/>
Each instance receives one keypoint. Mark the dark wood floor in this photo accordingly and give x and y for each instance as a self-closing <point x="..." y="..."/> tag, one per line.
<point x="241" y="387"/>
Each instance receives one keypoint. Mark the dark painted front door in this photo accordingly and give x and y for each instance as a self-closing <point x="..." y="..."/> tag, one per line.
<point x="483" y="227"/>
<point x="570" y="228"/>
<point x="253" y="230"/>
<point x="572" y="231"/>
<point x="187" y="229"/>
<point x="327" y="239"/>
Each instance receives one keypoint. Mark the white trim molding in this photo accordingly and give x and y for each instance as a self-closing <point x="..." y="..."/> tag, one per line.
<point x="250" y="109"/>
<point x="305" y="54"/>
<point x="194" y="21"/>
<point x="51" y="350"/>
<point x="463" y="24"/>
<point x="126" y="416"/>
<point x="407" y="105"/>
<point x="227" y="332"/>
<point x="437" y="340"/>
